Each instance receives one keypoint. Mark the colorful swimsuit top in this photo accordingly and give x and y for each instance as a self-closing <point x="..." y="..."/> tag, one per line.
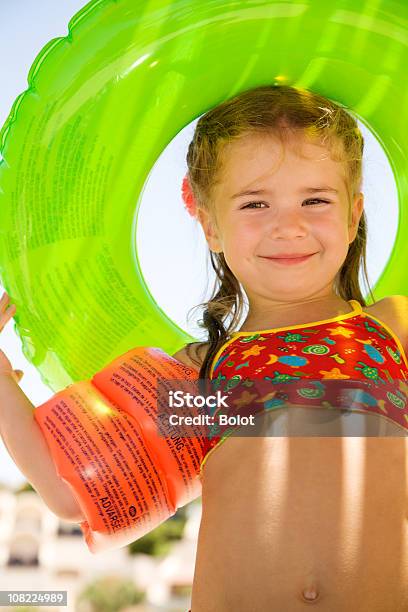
<point x="353" y="362"/>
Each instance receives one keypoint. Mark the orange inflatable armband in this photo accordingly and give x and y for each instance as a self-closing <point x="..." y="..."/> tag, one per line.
<point x="127" y="469"/>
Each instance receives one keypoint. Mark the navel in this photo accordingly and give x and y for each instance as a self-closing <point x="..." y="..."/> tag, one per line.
<point x="310" y="594"/>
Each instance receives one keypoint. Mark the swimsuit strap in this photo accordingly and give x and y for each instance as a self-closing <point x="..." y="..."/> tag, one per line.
<point x="356" y="306"/>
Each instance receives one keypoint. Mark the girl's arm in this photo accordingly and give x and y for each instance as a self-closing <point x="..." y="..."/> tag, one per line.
<point x="26" y="445"/>
<point x="24" y="440"/>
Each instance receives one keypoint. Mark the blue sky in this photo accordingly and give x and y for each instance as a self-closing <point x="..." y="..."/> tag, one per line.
<point x="25" y="27"/>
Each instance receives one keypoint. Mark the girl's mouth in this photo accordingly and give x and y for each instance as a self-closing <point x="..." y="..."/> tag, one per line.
<point x="289" y="261"/>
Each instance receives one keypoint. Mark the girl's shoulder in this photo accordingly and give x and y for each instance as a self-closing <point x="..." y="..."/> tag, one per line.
<point x="393" y="311"/>
<point x="192" y="355"/>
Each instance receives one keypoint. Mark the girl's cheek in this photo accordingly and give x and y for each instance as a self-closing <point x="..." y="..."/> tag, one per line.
<point x="330" y="225"/>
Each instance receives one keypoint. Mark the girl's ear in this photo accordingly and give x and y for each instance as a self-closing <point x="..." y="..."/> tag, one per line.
<point x="210" y="230"/>
<point x="356" y="212"/>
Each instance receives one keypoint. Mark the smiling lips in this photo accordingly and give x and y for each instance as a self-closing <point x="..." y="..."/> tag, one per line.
<point x="289" y="258"/>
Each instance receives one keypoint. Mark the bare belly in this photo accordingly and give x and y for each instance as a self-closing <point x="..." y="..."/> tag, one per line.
<point x="284" y="514"/>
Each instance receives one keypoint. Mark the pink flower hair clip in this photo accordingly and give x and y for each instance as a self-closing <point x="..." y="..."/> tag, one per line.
<point x="188" y="197"/>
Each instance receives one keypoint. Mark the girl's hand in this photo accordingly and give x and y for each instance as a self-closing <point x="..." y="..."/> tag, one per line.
<point x="7" y="311"/>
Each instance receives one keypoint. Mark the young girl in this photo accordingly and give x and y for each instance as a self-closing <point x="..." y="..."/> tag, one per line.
<point x="274" y="178"/>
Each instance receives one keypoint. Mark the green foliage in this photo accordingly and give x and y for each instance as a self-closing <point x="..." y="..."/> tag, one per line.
<point x="158" y="541"/>
<point x="109" y="594"/>
<point x="25" y="487"/>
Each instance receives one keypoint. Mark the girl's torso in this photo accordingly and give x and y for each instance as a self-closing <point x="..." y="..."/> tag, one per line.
<point x="284" y="514"/>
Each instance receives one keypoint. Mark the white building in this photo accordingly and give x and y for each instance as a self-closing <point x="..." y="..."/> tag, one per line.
<point x="38" y="551"/>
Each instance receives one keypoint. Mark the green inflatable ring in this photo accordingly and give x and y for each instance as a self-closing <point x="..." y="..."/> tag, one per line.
<point x="103" y="103"/>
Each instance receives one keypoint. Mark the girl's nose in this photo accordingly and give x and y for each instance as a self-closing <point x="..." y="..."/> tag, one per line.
<point x="288" y="225"/>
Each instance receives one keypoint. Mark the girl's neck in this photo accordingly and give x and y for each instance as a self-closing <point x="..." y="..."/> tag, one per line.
<point x="284" y="315"/>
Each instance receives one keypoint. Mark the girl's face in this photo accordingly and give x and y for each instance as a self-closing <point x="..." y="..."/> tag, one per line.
<point x="293" y="205"/>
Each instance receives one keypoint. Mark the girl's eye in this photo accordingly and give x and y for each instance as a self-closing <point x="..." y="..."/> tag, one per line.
<point x="254" y="204"/>
<point x="250" y="204"/>
<point x="317" y="200"/>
